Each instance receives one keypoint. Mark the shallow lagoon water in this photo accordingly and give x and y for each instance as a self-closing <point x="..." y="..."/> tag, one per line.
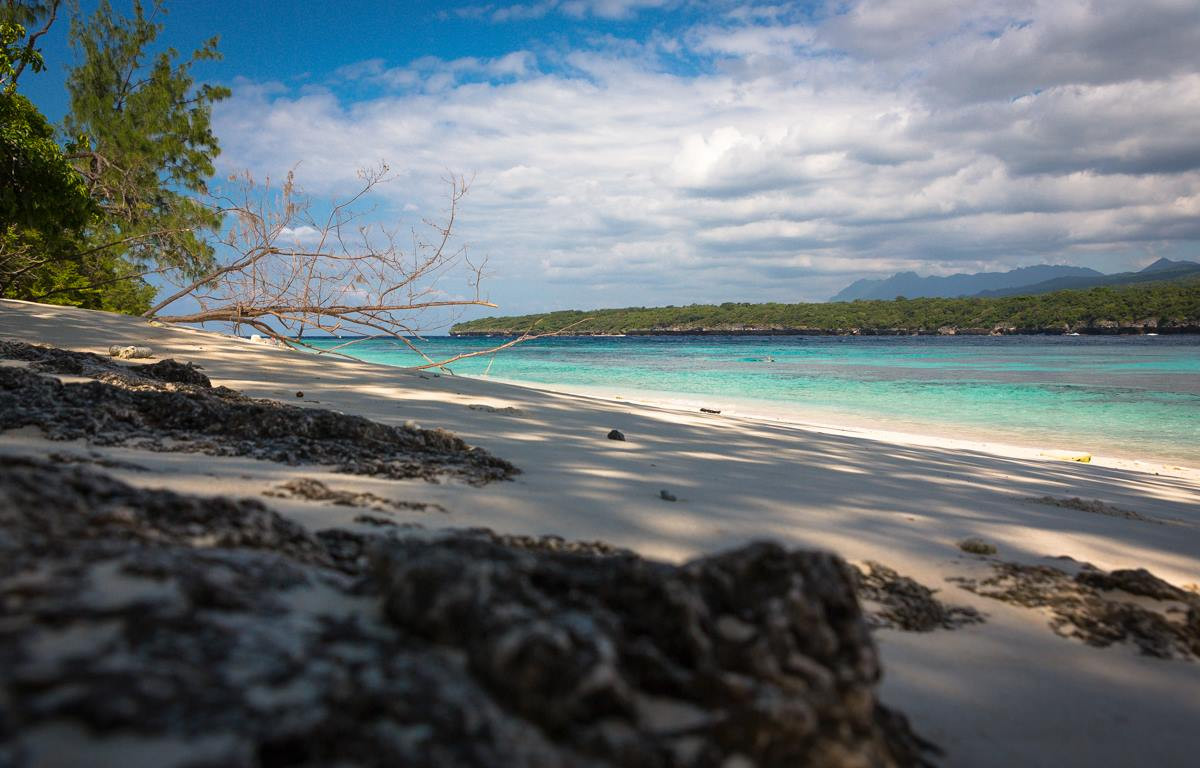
<point x="1128" y="396"/>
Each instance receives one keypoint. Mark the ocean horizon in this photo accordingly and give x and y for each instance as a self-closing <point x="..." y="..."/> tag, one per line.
<point x="1130" y="396"/>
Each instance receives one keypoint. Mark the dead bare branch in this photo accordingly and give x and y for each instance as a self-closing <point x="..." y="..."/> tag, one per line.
<point x="527" y="336"/>
<point x="289" y="270"/>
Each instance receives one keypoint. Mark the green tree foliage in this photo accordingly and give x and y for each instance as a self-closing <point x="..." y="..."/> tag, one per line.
<point x="145" y="143"/>
<point x="84" y="227"/>
<point x="44" y="204"/>
<point x="1173" y="303"/>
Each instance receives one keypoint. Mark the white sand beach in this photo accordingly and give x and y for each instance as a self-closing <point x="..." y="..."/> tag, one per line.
<point x="1005" y="692"/>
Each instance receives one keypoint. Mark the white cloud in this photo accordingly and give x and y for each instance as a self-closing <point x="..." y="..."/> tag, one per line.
<point x="609" y="9"/>
<point x="936" y="136"/>
<point x="578" y="9"/>
<point x="300" y="236"/>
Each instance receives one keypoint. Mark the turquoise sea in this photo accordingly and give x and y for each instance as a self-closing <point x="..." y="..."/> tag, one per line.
<point x="1128" y="396"/>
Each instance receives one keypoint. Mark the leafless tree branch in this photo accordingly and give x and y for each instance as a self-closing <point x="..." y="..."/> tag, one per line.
<point x="290" y="270"/>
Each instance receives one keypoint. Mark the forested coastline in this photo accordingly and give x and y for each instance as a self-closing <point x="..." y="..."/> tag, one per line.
<point x="1163" y="307"/>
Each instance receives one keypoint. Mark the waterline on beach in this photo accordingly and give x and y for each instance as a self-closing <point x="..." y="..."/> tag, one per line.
<point x="1125" y="397"/>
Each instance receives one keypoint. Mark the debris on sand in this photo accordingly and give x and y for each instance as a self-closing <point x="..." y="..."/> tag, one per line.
<point x="1101" y="608"/>
<point x="308" y="489"/>
<point x="506" y="410"/>
<point x="892" y="601"/>
<point x="1096" y="507"/>
<point x="129" y="351"/>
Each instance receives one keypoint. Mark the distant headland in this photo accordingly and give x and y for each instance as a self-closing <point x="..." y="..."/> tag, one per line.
<point x="1162" y="307"/>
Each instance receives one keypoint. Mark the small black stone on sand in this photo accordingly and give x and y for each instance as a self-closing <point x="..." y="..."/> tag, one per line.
<point x="616" y="435"/>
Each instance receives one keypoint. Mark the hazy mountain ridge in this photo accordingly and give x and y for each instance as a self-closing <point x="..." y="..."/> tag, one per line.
<point x="1163" y="269"/>
<point x="1024" y="281"/>
<point x="911" y="285"/>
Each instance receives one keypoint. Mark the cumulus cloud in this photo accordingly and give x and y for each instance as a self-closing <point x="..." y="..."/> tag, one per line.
<point x="763" y="155"/>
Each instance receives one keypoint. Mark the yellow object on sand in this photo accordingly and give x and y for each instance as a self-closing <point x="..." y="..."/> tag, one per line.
<point x="1082" y="458"/>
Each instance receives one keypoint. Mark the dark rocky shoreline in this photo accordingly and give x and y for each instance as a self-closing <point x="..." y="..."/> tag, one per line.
<point x="171" y="406"/>
<point x="146" y="617"/>
<point x="168" y="629"/>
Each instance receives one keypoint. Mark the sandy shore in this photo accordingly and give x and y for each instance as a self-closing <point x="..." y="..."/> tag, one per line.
<point x="1005" y="692"/>
<point x="892" y="431"/>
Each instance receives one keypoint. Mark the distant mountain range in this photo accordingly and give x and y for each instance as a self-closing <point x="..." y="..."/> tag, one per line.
<point x="1025" y="281"/>
<point x="1163" y="269"/>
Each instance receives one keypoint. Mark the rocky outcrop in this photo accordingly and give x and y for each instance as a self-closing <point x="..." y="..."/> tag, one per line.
<point x="171" y="630"/>
<point x="170" y="406"/>
<point x="1101" y="608"/>
<point x="893" y="601"/>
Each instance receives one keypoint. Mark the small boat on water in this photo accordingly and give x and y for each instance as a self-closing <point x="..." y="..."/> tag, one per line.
<point x="1075" y="333"/>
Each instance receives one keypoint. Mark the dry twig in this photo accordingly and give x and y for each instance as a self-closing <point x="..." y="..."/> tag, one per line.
<point x="290" y="271"/>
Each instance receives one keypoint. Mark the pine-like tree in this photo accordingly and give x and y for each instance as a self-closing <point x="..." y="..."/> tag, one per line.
<point x="144" y="142"/>
<point x="85" y="227"/>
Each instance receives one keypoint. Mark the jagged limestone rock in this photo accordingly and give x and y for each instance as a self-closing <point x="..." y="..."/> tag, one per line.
<point x="170" y="406"/>
<point x="135" y="616"/>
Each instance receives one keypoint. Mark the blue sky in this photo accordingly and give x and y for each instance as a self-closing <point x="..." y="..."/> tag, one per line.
<point x="641" y="152"/>
<point x="307" y="42"/>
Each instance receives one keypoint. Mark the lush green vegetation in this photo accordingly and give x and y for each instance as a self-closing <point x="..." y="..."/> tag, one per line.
<point x="1174" y="303"/>
<point x="88" y="210"/>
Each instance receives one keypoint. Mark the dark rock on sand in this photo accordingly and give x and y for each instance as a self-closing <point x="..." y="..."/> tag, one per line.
<point x="135" y="617"/>
<point x="1135" y="582"/>
<point x="667" y="496"/>
<point x="375" y="520"/>
<point x="1089" y="606"/>
<point x="551" y="544"/>
<point x="1096" y="507"/>
<point x="308" y="489"/>
<point x="135" y="406"/>
<point x="616" y="434"/>
<point x="170" y="370"/>
<point x="893" y="601"/>
<point x="506" y="410"/>
<point x="95" y="458"/>
<point x="977" y="546"/>
<point x="55" y="360"/>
